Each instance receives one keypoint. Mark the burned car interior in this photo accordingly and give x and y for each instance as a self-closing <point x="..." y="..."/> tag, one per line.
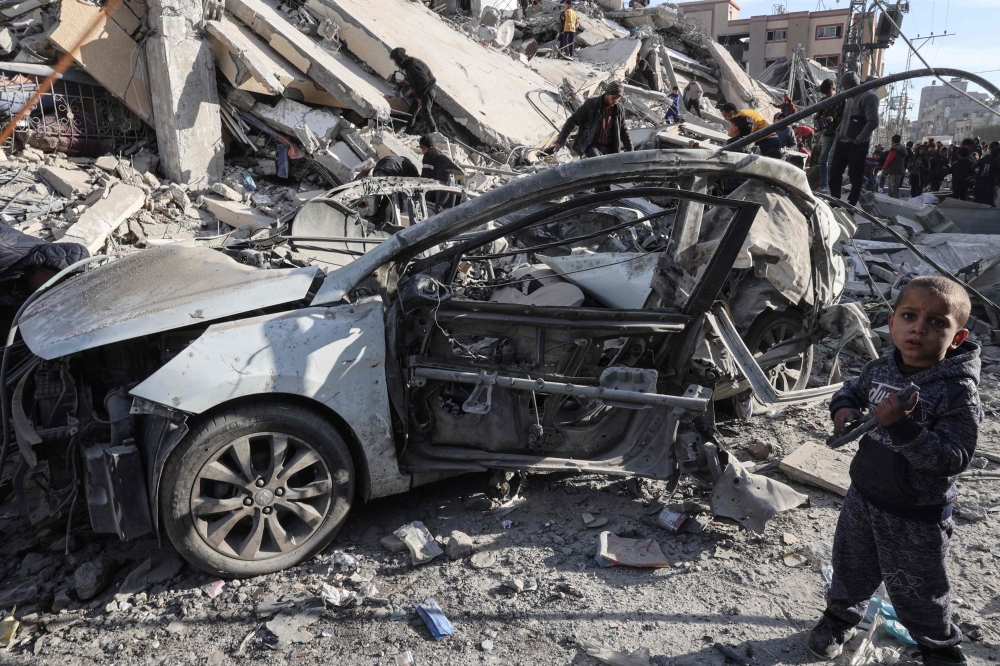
<point x="587" y="318"/>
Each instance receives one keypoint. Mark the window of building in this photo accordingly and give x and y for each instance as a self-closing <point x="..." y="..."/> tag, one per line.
<point x="830" y="61"/>
<point x="768" y="63"/>
<point x="777" y="35"/>
<point x="829" y="31"/>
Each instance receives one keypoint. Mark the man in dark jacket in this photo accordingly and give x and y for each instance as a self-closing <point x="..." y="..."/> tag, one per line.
<point x="601" y="123"/>
<point x="961" y="170"/>
<point x="395" y="166"/>
<point x="986" y="178"/>
<point x="643" y="76"/>
<point x="895" y="166"/>
<point x="440" y="167"/>
<point x="422" y="86"/>
<point x="860" y="120"/>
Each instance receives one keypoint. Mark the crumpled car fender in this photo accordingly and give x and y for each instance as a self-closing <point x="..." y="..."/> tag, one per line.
<point x="334" y="356"/>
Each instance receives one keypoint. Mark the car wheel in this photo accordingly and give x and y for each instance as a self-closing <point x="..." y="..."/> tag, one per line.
<point x="256" y="488"/>
<point x="771" y="328"/>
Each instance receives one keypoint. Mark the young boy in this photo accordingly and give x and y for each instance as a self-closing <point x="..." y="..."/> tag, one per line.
<point x="674" y="106"/>
<point x="895" y="526"/>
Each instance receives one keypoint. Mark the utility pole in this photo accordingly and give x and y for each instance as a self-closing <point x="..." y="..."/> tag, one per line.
<point x="854" y="39"/>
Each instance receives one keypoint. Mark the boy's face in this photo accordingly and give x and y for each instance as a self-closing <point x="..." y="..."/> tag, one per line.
<point x="924" y="328"/>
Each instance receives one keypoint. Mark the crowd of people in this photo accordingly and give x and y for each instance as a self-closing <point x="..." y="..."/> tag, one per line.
<point x="971" y="164"/>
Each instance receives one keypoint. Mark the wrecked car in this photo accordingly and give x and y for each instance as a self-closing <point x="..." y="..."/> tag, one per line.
<point x="241" y="411"/>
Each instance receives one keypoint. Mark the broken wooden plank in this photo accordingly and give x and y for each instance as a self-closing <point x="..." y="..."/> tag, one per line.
<point x="309" y="58"/>
<point x="819" y="466"/>
<point x="111" y="56"/>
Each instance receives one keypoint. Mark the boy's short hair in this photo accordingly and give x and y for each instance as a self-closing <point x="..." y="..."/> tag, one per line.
<point x="826" y="86"/>
<point x="953" y="294"/>
<point x="896" y="138"/>
<point x="963" y="152"/>
<point x="728" y="107"/>
<point x="427" y="141"/>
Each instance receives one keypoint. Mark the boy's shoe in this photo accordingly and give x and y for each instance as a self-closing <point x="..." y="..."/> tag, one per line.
<point x="949" y="656"/>
<point x="826" y="640"/>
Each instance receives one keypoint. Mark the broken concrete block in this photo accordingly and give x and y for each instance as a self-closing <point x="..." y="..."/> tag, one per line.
<point x="617" y="54"/>
<point x="107" y="162"/>
<point x="353" y="138"/>
<point x="247" y="58"/>
<point x="387" y="144"/>
<point x="69" y="183"/>
<point x="819" y="466"/>
<point x="460" y="545"/>
<point x="231" y="38"/>
<point x="486" y="93"/>
<point x="97" y="223"/>
<point x="110" y="55"/>
<point x="183" y="87"/>
<point x="309" y="57"/>
<point x="8" y="42"/>
<point x="23" y="8"/>
<point x="287" y="115"/>
<point x="736" y="85"/>
<point x="236" y="214"/>
<point x="338" y="159"/>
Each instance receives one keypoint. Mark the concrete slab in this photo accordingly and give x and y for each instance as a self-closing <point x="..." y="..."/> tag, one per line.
<point x="618" y="55"/>
<point x="338" y="159"/>
<point x="583" y="76"/>
<point x="819" y="466"/>
<point x="184" y="93"/>
<point x="309" y="58"/>
<point x="98" y="221"/>
<point x="386" y="144"/>
<point x="737" y="86"/>
<point x="287" y="115"/>
<point x="69" y="183"/>
<point x="111" y="56"/>
<point x="483" y="89"/>
<point x="237" y="214"/>
<point x="229" y="38"/>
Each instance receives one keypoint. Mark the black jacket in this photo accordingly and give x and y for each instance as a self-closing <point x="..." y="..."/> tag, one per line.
<point x="909" y="468"/>
<point x="837" y="113"/>
<point x="393" y="165"/>
<point x="438" y="166"/>
<point x="644" y="74"/>
<point x="939" y="167"/>
<point x="19" y="252"/>
<point x="419" y="76"/>
<point x="588" y="119"/>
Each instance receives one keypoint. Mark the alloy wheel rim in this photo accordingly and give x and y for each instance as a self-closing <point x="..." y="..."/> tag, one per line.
<point x="261" y="496"/>
<point x="783" y="376"/>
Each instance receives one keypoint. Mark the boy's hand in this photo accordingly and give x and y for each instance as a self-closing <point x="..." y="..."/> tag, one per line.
<point x="842" y="417"/>
<point x="891" y="410"/>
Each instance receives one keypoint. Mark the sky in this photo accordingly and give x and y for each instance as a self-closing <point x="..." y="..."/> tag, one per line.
<point x="974" y="48"/>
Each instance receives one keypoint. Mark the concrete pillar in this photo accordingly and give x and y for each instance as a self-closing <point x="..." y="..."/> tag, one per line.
<point x="183" y="88"/>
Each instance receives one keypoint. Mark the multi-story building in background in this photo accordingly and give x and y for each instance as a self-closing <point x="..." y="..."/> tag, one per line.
<point x="768" y="38"/>
<point x="943" y="112"/>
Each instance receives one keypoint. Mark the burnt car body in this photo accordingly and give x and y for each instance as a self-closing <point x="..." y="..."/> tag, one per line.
<point x="241" y="411"/>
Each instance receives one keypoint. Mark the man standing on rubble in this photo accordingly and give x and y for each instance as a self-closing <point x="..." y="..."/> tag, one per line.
<point x="827" y="121"/>
<point x="601" y="123"/>
<point x="895" y="166"/>
<point x="860" y="120"/>
<point x="422" y="84"/>
<point x="440" y="167"/>
<point x="567" y="38"/>
<point x="986" y="178"/>
<point x="692" y="96"/>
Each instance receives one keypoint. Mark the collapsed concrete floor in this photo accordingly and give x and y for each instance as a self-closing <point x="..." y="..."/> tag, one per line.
<point x="723" y="586"/>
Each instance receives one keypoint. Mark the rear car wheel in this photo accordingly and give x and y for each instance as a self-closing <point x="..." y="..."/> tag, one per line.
<point x="771" y="328"/>
<point x="256" y="488"/>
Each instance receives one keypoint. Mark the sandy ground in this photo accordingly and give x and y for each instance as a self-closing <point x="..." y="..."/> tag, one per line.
<point x="725" y="585"/>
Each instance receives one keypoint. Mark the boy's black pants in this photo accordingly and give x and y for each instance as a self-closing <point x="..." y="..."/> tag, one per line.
<point x="872" y="546"/>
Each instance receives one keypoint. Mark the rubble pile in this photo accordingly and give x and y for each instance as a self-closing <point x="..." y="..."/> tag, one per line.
<point x="259" y="103"/>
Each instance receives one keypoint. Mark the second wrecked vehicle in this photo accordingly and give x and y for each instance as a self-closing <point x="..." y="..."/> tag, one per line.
<point x="243" y="410"/>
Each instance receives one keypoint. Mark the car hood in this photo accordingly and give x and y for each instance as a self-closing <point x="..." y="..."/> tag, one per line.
<point x="152" y="291"/>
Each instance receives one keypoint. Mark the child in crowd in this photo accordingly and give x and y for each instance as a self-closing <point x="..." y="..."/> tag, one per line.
<point x="895" y="525"/>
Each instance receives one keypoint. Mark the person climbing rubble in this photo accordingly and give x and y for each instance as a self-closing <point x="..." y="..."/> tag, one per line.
<point x="601" y="123"/>
<point x="860" y="119"/>
<point x="674" y="107"/>
<point x="895" y="166"/>
<point x="643" y="75"/>
<point x="570" y="22"/>
<point x="422" y="86"/>
<point x="692" y="96"/>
